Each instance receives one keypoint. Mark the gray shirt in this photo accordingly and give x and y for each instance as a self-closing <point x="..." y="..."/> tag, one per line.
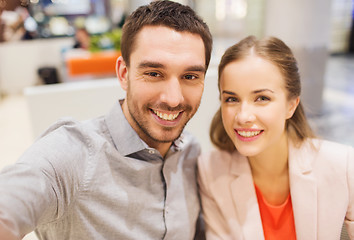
<point x="98" y="180"/>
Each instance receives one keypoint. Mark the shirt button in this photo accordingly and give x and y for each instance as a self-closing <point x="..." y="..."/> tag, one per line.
<point x="151" y="151"/>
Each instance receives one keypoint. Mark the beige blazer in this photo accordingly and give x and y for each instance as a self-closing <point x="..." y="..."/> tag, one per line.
<point x="321" y="187"/>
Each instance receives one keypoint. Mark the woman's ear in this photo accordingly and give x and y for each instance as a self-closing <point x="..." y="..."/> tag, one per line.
<point x="122" y="73"/>
<point x="292" y="105"/>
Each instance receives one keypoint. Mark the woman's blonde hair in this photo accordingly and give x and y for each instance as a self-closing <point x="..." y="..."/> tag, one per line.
<point x="277" y="52"/>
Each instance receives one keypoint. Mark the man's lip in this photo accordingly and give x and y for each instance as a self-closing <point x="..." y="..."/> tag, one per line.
<point x="167" y="115"/>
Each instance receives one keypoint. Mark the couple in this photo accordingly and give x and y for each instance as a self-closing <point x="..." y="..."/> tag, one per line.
<point x="132" y="173"/>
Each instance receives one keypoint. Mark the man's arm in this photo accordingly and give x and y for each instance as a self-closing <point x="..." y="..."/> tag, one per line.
<point x="5" y="234"/>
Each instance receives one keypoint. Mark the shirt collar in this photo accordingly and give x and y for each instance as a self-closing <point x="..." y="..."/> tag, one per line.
<point x="126" y="140"/>
<point x="124" y="137"/>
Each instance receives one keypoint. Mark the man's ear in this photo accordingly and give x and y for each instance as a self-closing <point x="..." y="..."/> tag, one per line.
<point x="293" y="103"/>
<point x="122" y="73"/>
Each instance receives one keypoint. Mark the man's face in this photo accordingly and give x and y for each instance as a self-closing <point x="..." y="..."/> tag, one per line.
<point x="164" y="83"/>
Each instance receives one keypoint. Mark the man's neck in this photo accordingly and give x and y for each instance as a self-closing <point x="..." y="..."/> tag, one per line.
<point x="159" y="146"/>
<point x="162" y="148"/>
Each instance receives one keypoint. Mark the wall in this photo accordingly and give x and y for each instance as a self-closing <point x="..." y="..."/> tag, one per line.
<point x="305" y="27"/>
<point x="341" y="22"/>
<point x="20" y="60"/>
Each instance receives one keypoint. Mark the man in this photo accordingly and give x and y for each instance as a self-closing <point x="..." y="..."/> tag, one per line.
<point x="131" y="173"/>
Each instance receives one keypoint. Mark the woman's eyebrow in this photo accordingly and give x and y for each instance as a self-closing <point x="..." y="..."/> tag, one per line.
<point x="254" y="92"/>
<point x="228" y="92"/>
<point x="262" y="90"/>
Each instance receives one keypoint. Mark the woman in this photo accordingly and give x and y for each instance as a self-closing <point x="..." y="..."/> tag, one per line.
<point x="270" y="178"/>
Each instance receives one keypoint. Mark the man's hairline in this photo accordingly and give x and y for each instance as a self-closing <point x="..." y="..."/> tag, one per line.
<point x="162" y="25"/>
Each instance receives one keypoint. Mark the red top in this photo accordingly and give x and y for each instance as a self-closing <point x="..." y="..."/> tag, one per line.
<point x="278" y="221"/>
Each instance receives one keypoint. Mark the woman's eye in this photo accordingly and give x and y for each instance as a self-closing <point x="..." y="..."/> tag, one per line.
<point x="262" y="99"/>
<point x="231" y="99"/>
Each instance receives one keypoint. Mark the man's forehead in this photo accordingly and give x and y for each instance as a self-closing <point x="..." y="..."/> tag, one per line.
<point x="162" y="46"/>
<point x="160" y="31"/>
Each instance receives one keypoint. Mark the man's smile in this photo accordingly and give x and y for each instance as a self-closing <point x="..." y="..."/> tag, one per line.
<point x="166" y="116"/>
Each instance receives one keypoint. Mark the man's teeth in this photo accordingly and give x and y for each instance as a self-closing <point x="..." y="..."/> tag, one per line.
<point x="165" y="116"/>
<point x="248" y="133"/>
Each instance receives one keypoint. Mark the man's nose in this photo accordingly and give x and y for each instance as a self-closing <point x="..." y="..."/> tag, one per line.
<point x="172" y="92"/>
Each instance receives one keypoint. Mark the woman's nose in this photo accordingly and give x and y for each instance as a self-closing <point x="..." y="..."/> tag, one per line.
<point x="245" y="114"/>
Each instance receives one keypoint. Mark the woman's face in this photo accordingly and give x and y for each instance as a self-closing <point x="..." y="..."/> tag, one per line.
<point x="254" y="105"/>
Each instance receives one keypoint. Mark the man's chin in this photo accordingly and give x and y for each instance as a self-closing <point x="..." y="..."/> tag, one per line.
<point x="167" y="136"/>
<point x="167" y="139"/>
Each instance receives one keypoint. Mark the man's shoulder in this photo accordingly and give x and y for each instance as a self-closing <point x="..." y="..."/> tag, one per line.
<point x="188" y="138"/>
<point x="188" y="142"/>
<point x="69" y="139"/>
<point x="70" y="127"/>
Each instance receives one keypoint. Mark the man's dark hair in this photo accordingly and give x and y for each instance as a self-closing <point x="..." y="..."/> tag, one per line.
<point x="170" y="14"/>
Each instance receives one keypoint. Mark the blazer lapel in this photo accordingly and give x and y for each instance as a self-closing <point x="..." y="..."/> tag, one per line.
<point x="245" y="199"/>
<point x="303" y="188"/>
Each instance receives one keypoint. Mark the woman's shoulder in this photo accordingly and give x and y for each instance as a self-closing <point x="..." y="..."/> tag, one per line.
<point x="328" y="148"/>
<point x="215" y="155"/>
<point x="321" y="153"/>
<point x="219" y="159"/>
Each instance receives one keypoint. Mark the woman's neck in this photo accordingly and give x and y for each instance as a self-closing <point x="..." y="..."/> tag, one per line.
<point x="273" y="161"/>
<point x="270" y="172"/>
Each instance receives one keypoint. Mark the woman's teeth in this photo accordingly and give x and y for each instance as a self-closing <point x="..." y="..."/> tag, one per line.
<point x="165" y="116"/>
<point x="248" y="133"/>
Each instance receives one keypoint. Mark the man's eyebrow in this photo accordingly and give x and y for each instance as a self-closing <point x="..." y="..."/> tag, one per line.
<point x="196" y="68"/>
<point x="148" y="64"/>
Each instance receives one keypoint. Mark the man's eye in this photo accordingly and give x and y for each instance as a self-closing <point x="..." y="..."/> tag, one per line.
<point x="190" y="77"/>
<point x="153" y="74"/>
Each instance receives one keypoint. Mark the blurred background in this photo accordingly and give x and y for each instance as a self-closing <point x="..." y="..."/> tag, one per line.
<point x="57" y="59"/>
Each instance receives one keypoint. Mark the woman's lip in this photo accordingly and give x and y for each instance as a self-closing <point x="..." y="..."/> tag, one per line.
<point x="248" y="135"/>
